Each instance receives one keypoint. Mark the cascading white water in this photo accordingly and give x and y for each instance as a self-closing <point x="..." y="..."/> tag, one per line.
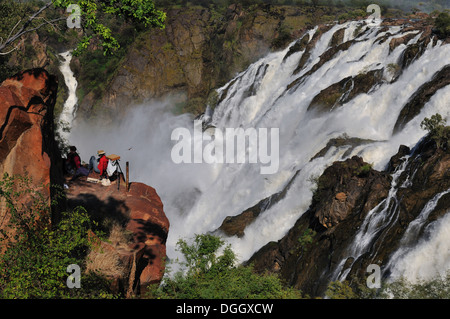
<point x="70" y="105"/>
<point x="429" y="257"/>
<point x="198" y="197"/>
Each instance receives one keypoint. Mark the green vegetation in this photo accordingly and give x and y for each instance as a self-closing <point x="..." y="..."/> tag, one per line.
<point x="210" y="275"/>
<point x="7" y="70"/>
<point x="35" y="255"/>
<point x="284" y="37"/>
<point x="364" y="170"/>
<point x="434" y="288"/>
<point x="442" y="24"/>
<point x="90" y="14"/>
<point x="306" y="239"/>
<point x="438" y="132"/>
<point x="340" y="290"/>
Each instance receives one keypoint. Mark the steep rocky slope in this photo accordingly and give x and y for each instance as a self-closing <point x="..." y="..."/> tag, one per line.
<point x="350" y="196"/>
<point x="27" y="144"/>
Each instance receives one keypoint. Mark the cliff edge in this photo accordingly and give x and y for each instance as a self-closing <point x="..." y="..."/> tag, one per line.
<point x="28" y="148"/>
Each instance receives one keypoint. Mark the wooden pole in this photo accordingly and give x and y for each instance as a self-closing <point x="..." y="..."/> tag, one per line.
<point x="127" y="182"/>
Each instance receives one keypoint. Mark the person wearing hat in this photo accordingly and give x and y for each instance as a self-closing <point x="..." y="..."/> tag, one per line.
<point x="102" y="163"/>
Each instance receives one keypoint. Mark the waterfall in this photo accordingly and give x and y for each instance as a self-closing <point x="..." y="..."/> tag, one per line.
<point x="430" y="256"/>
<point x="274" y="93"/>
<point x="70" y="105"/>
<point x="303" y="134"/>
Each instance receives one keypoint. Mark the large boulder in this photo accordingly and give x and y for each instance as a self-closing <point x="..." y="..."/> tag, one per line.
<point x="140" y="212"/>
<point x="345" y="186"/>
<point x="27" y="143"/>
<point x="26" y="134"/>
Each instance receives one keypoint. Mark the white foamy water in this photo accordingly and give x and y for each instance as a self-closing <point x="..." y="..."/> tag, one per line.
<point x="70" y="106"/>
<point x="429" y="258"/>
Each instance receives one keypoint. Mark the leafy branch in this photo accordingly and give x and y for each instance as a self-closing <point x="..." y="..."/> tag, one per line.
<point x="135" y="11"/>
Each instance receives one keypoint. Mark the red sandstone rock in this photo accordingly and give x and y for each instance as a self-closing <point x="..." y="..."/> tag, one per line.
<point x="142" y="210"/>
<point x="27" y="144"/>
<point x="24" y="108"/>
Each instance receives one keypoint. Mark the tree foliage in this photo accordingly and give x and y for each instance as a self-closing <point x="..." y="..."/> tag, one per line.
<point x="24" y="18"/>
<point x="434" y="288"/>
<point x="137" y="11"/>
<point x="34" y="261"/>
<point x="208" y="274"/>
<point x="435" y="126"/>
<point x="437" y="287"/>
<point x="442" y="24"/>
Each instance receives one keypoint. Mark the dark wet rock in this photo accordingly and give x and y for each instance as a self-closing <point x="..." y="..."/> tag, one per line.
<point x="235" y="225"/>
<point x="308" y="255"/>
<point x="345" y="90"/>
<point x="415" y="104"/>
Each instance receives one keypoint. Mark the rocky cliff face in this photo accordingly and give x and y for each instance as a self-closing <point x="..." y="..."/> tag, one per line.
<point x="28" y="148"/>
<point x="27" y="144"/>
<point x="40" y="50"/>
<point x="199" y="50"/>
<point x="326" y="244"/>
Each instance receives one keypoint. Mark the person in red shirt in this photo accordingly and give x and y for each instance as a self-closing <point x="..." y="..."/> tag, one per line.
<point x="102" y="163"/>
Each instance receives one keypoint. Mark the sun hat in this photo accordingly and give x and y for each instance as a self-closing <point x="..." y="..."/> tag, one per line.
<point x="100" y="152"/>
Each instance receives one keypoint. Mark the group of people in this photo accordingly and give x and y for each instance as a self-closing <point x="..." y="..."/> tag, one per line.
<point x="73" y="164"/>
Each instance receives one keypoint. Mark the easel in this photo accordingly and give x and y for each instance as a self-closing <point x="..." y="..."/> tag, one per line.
<point x="115" y="161"/>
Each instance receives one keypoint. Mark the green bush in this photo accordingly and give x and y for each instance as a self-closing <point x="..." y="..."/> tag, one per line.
<point x="34" y="263"/>
<point x="364" y="170"/>
<point x="206" y="274"/>
<point x="340" y="290"/>
<point x="7" y="70"/>
<point x="435" y="288"/>
<point x="435" y="126"/>
<point x="442" y="24"/>
<point x="306" y="239"/>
